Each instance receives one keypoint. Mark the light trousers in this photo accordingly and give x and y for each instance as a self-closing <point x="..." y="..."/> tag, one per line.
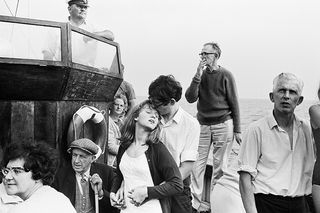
<point x="221" y="137"/>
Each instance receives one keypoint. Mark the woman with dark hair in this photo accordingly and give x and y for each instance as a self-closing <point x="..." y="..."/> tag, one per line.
<point x="145" y="165"/>
<point x="28" y="169"/>
<point x="314" y="112"/>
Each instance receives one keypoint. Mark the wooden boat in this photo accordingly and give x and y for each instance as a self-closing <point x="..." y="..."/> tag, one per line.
<point x="38" y="97"/>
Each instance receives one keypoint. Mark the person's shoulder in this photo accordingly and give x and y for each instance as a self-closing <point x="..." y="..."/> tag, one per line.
<point x="101" y="166"/>
<point x="188" y="117"/>
<point x="226" y="72"/>
<point x="314" y="109"/>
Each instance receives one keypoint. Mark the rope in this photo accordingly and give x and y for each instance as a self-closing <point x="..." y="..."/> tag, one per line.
<point x="8" y="7"/>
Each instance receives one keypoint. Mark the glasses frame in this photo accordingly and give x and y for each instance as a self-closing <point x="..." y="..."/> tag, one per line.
<point x="13" y="170"/>
<point x="206" y="54"/>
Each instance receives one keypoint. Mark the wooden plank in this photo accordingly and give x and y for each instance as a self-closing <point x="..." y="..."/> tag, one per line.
<point x="5" y="118"/>
<point x="45" y="115"/>
<point x="31" y="82"/>
<point x="90" y="86"/>
<point x="22" y="123"/>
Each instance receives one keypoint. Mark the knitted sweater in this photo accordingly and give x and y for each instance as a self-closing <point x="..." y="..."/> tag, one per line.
<point x="217" y="97"/>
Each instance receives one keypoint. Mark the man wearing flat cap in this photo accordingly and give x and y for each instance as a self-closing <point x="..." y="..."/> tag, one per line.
<point x="84" y="49"/>
<point x="77" y="181"/>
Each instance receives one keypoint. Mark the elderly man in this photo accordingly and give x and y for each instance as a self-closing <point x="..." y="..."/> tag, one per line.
<point x="78" y="180"/>
<point x="83" y="47"/>
<point x="214" y="88"/>
<point x="277" y="156"/>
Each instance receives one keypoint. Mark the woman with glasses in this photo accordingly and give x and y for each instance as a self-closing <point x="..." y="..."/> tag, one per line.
<point x="28" y="169"/>
<point x="116" y="115"/>
<point x="145" y="165"/>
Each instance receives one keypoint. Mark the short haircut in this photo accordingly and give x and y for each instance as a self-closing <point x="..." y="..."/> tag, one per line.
<point x="123" y="98"/>
<point x="288" y="77"/>
<point x="164" y="88"/>
<point x="40" y="159"/>
<point x="216" y="47"/>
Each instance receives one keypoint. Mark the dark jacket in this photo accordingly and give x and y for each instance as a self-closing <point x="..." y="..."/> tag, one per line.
<point x="163" y="169"/>
<point x="65" y="182"/>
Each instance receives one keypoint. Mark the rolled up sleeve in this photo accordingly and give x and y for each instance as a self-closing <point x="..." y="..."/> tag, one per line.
<point x="250" y="152"/>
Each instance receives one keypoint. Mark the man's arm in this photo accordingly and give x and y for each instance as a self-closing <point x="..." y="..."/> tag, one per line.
<point x="246" y="192"/>
<point x="106" y="34"/>
<point x="193" y="90"/>
<point x="185" y="169"/>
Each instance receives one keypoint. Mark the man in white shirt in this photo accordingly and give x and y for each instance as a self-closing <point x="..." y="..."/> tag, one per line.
<point x="277" y="156"/>
<point x="180" y="133"/>
<point x="83" y="47"/>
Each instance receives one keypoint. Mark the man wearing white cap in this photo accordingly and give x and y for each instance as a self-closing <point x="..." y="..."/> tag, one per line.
<point x="77" y="181"/>
<point x="84" y="49"/>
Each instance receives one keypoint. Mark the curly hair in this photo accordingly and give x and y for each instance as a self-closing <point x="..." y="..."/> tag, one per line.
<point x="39" y="158"/>
<point x="164" y="88"/>
<point x="128" y="128"/>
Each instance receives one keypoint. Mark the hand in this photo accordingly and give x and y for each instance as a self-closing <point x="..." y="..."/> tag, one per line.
<point x="95" y="180"/>
<point x="138" y="195"/>
<point x="120" y="196"/>
<point x="238" y="138"/>
<point x="200" y="68"/>
<point x="86" y="39"/>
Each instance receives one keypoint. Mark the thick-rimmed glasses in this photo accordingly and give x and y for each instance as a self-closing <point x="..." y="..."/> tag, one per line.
<point x="205" y="54"/>
<point x="13" y="170"/>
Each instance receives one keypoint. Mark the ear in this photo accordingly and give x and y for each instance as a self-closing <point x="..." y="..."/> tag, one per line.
<point x="271" y="97"/>
<point x="300" y="100"/>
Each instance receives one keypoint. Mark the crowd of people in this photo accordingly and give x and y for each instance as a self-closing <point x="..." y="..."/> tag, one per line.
<point x="157" y="152"/>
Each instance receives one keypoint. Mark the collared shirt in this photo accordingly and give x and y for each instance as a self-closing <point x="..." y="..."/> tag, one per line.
<point x="85" y="176"/>
<point x="7" y="201"/>
<point x="275" y="167"/>
<point x="181" y="136"/>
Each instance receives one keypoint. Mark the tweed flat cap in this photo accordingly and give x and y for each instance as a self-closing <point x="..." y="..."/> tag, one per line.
<point x="78" y="2"/>
<point x="84" y="144"/>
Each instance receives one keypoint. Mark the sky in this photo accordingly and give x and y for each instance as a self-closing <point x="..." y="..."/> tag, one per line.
<point x="259" y="39"/>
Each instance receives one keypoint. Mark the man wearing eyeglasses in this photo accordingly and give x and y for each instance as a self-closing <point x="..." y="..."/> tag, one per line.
<point x="214" y="88"/>
<point x="83" y="47"/>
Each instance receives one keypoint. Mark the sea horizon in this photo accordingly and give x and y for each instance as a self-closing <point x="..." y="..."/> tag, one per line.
<point x="250" y="109"/>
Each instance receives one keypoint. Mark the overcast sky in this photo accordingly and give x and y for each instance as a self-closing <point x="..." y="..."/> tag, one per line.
<point x="259" y="39"/>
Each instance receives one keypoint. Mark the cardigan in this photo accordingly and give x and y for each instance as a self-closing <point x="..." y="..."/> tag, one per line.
<point x="164" y="172"/>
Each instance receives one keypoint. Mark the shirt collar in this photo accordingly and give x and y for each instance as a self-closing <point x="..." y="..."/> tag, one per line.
<point x="273" y="123"/>
<point x="85" y="175"/>
<point x="176" y="118"/>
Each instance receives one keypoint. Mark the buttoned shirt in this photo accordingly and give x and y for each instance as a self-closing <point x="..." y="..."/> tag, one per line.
<point x="275" y="167"/>
<point x="181" y="136"/>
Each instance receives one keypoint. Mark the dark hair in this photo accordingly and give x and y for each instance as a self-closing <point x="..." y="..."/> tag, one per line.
<point x="216" y="47"/>
<point x="39" y="157"/>
<point x="129" y="126"/>
<point x="164" y="88"/>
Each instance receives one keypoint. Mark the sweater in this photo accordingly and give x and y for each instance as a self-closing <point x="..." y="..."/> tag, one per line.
<point x="217" y="97"/>
<point x="164" y="172"/>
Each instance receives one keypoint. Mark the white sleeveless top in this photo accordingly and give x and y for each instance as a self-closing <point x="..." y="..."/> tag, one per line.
<point x="136" y="173"/>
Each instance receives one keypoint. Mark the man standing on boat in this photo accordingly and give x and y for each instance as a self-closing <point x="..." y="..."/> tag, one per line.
<point x="180" y="133"/>
<point x="218" y="114"/>
<point x="83" y="47"/>
<point x="277" y="156"/>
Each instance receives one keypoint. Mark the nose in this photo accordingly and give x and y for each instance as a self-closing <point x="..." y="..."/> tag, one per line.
<point x="77" y="159"/>
<point x="286" y="94"/>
